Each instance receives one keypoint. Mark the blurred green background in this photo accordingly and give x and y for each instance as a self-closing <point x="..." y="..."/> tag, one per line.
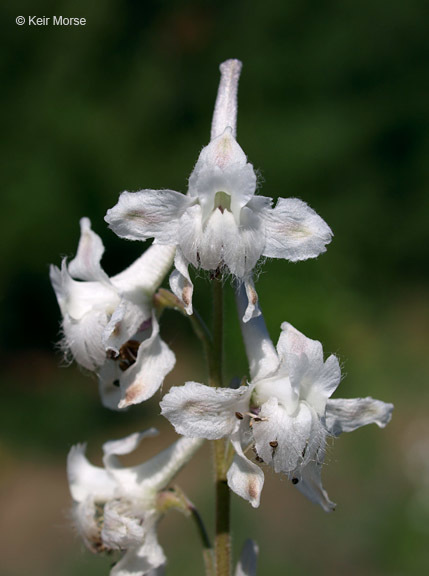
<point x="333" y="109"/>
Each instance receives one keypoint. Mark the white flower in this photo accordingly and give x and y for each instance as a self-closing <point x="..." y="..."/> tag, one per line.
<point x="115" y="508"/>
<point x="109" y="325"/>
<point x="285" y="414"/>
<point x="220" y="222"/>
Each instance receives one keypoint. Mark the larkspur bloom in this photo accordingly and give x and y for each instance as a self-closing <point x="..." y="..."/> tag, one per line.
<point x="285" y="414"/>
<point x="116" y="507"/>
<point x="220" y="222"/>
<point x="109" y="325"/>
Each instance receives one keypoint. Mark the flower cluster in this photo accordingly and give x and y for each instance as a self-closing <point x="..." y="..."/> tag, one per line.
<point x="282" y="416"/>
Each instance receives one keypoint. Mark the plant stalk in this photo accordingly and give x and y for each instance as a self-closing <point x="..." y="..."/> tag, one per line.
<point x="222" y="536"/>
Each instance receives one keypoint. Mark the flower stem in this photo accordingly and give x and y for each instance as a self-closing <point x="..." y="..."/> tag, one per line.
<point x="222" y="537"/>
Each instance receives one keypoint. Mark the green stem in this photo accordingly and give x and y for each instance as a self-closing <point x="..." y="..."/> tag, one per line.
<point x="222" y="537"/>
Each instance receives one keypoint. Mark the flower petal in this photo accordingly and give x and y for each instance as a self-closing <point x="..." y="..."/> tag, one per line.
<point x="148" y="478"/>
<point x="225" y="112"/>
<point x="310" y="484"/>
<point x="109" y="384"/>
<point x="289" y="434"/>
<point x="141" y="561"/>
<point x="86" y="480"/>
<point x="248" y="560"/>
<point x="252" y="310"/>
<point x="83" y="338"/>
<point x="127" y="320"/>
<point x="245" y="478"/>
<point x="180" y="281"/>
<point x="262" y="356"/>
<point x="148" y="213"/>
<point x="294" y="231"/>
<point x="292" y="341"/>
<point x="348" y="415"/>
<point x="143" y="378"/>
<point x="86" y="264"/>
<point x="147" y="272"/>
<point x="195" y="410"/>
<point x="157" y="473"/>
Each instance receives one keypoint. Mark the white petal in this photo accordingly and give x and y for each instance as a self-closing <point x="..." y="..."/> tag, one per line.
<point x="84" y="516"/>
<point x="252" y="310"/>
<point x="108" y="384"/>
<point x="261" y="353"/>
<point x="145" y="480"/>
<point x="180" y="281"/>
<point x="127" y="319"/>
<point x="125" y="477"/>
<point x="77" y="298"/>
<point x="157" y="473"/>
<point x="154" y="361"/>
<point x="348" y="415"/>
<point x="225" y="112"/>
<point x="290" y="432"/>
<point x="231" y="176"/>
<point x="86" y="480"/>
<point x="248" y="559"/>
<point x="84" y="339"/>
<point x="195" y="410"/>
<point x="121" y="529"/>
<point x="310" y="484"/>
<point x="294" y="231"/>
<point x="148" y="213"/>
<point x="245" y="478"/>
<point x="147" y="272"/>
<point x="141" y="561"/>
<point x="292" y="341"/>
<point x="86" y="264"/>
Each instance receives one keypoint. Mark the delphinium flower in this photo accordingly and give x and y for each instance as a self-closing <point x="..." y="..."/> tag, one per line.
<point x="285" y="414"/>
<point x="221" y="223"/>
<point x="109" y="325"/>
<point x="117" y="508"/>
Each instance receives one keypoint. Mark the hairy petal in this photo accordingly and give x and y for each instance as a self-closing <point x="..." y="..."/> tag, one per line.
<point x="141" y="561"/>
<point x="290" y="432"/>
<point x="294" y="231"/>
<point x="348" y="415"/>
<point x="85" y="480"/>
<point x="148" y="214"/>
<point x="196" y="410"/>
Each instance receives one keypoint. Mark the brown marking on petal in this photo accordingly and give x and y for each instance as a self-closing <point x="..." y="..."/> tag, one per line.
<point x="253" y="488"/>
<point x="274" y="444"/>
<point x="239" y="415"/>
<point x="186" y="295"/>
<point x="142" y="215"/>
<point x="252" y="295"/>
<point x="132" y="393"/>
